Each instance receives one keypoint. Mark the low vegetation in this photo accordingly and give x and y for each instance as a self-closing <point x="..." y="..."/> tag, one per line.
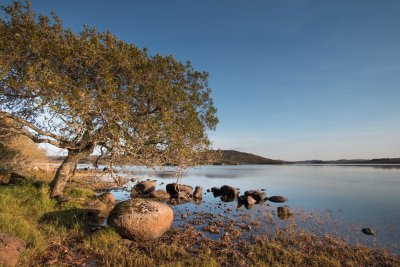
<point x="63" y="235"/>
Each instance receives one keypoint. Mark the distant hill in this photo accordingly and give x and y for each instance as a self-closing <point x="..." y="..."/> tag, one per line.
<point x="232" y="157"/>
<point x="228" y="157"/>
<point x="352" y="161"/>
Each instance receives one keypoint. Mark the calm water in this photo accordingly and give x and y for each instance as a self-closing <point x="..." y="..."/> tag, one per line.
<point x="347" y="198"/>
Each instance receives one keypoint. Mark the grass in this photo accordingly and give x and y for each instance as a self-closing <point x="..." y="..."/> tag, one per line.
<point x="62" y="235"/>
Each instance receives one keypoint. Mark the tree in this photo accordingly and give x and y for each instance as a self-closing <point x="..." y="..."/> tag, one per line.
<point x="87" y="90"/>
<point x="18" y="153"/>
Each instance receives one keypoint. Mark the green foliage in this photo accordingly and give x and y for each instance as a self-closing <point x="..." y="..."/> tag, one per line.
<point x="87" y="89"/>
<point x="21" y="207"/>
<point x="20" y="154"/>
<point x="79" y="192"/>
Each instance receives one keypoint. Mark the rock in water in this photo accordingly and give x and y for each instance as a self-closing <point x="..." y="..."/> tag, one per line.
<point x="198" y="192"/>
<point x="179" y="190"/>
<point x="277" y="199"/>
<point x="144" y="187"/>
<point x="10" y="249"/>
<point x="216" y="191"/>
<point x="141" y="219"/>
<point x="107" y="198"/>
<point x="368" y="231"/>
<point x="249" y="200"/>
<point x="284" y="213"/>
<point x="229" y="191"/>
<point x="160" y="195"/>
<point x="256" y="194"/>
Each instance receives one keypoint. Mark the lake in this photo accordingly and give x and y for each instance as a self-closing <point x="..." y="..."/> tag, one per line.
<point x="333" y="199"/>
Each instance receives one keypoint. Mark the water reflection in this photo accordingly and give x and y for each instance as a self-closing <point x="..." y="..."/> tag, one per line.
<point x="356" y="195"/>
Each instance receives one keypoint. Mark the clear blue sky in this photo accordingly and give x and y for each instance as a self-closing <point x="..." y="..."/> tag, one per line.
<point x="291" y="80"/>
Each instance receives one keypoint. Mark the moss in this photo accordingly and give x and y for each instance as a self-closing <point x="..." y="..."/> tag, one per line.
<point x="79" y="192"/>
<point x="138" y="205"/>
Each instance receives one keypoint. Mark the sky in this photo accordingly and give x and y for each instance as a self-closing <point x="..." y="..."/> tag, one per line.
<point x="291" y="80"/>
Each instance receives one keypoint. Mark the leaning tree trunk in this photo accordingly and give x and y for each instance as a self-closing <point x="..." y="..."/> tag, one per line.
<point x="66" y="169"/>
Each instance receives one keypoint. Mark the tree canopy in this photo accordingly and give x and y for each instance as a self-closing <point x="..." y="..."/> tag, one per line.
<point x="79" y="91"/>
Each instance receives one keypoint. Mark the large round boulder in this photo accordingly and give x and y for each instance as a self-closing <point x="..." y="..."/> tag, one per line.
<point x="141" y="219"/>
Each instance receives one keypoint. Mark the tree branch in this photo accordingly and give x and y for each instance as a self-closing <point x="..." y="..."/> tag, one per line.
<point x="59" y="138"/>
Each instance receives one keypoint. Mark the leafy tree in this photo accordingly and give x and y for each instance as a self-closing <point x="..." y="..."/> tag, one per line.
<point x="87" y="90"/>
<point x="18" y="153"/>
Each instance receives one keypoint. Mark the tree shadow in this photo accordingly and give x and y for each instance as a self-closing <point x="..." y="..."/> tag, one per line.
<point x="72" y="218"/>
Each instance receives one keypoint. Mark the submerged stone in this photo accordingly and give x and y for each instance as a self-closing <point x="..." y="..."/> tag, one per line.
<point x="284" y="213"/>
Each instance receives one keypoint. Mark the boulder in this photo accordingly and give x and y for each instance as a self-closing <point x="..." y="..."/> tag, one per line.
<point x="247" y="201"/>
<point x="107" y="198"/>
<point x="216" y="191"/>
<point x="141" y="219"/>
<point x="198" y="192"/>
<point x="277" y="199"/>
<point x="11" y="248"/>
<point x="144" y="187"/>
<point x="256" y="194"/>
<point x="229" y="191"/>
<point x="250" y="200"/>
<point x="227" y="198"/>
<point x="160" y="195"/>
<point x="179" y="190"/>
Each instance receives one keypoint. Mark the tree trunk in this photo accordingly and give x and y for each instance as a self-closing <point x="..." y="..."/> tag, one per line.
<point x="66" y="169"/>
